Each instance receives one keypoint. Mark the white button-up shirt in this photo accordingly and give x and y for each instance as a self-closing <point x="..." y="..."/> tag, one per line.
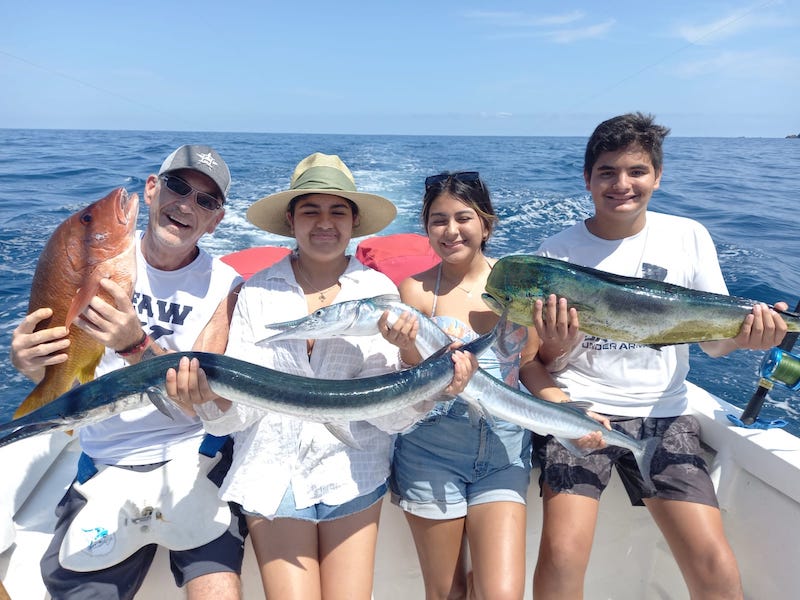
<point x="272" y="450"/>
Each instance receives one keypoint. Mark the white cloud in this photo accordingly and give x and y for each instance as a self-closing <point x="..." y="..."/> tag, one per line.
<point x="741" y="65"/>
<point x="567" y="36"/>
<point x="516" y="25"/>
<point x="518" y="19"/>
<point x="730" y="25"/>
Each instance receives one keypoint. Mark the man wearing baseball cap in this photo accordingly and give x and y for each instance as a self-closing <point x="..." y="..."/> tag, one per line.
<point x="152" y="472"/>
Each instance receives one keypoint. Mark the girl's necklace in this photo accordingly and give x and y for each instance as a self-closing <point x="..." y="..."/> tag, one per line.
<point x="322" y="297"/>
<point x="468" y="292"/>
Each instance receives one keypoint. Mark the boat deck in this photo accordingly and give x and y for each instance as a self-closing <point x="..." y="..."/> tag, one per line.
<point x="757" y="473"/>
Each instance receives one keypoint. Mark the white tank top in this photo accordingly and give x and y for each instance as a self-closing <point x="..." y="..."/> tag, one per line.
<point x="173" y="307"/>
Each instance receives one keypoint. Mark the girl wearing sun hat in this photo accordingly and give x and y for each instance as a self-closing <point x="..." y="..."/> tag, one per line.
<point x="312" y="501"/>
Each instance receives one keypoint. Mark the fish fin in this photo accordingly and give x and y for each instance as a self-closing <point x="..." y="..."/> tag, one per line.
<point x="342" y="432"/>
<point x="574" y="448"/>
<point x="86" y="373"/>
<point x="386" y="298"/>
<point x="581" y="406"/>
<point x="476" y="411"/>
<point x="159" y="400"/>
<point x="39" y="396"/>
<point x="487" y="416"/>
<point x="81" y="300"/>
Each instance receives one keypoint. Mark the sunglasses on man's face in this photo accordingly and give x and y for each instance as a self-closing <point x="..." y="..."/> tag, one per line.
<point x="179" y="187"/>
<point x="462" y="176"/>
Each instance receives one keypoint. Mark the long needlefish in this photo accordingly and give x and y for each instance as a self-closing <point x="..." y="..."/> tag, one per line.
<point x="626" y="309"/>
<point x="94" y="243"/>
<point x="319" y="400"/>
<point x="489" y="395"/>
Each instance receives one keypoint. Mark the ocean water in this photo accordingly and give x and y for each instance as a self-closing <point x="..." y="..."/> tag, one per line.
<point x="744" y="190"/>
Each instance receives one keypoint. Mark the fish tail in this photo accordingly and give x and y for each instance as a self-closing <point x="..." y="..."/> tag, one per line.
<point x="644" y="459"/>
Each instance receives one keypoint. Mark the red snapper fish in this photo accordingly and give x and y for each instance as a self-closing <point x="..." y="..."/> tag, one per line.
<point x="94" y="243"/>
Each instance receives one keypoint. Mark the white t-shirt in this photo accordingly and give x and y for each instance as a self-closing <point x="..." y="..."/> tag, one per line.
<point x="174" y="307"/>
<point x="630" y="379"/>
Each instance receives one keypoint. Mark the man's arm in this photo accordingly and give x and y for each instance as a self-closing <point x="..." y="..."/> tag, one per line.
<point x="214" y="337"/>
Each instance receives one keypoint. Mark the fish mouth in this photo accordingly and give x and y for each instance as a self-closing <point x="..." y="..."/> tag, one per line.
<point x="127" y="208"/>
<point x="493" y="302"/>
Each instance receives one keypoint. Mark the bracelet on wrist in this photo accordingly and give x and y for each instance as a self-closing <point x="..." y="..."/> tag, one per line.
<point x="136" y="348"/>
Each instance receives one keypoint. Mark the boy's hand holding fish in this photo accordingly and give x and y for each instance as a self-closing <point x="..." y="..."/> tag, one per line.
<point x="558" y="326"/>
<point x="762" y="329"/>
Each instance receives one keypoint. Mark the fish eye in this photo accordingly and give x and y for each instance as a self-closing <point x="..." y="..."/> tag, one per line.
<point x="318" y="312"/>
<point x="86" y="218"/>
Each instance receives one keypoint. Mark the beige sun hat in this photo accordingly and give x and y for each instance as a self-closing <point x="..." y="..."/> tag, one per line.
<point x="321" y="174"/>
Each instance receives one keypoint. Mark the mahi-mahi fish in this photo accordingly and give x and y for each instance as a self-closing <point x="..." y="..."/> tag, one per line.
<point x="489" y="395"/>
<point x="625" y="309"/>
<point x="326" y="401"/>
<point x="94" y="243"/>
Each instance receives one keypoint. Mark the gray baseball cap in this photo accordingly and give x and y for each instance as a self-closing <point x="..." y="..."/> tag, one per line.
<point x="203" y="159"/>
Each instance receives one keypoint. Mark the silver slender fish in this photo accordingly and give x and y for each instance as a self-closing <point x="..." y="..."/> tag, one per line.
<point x="319" y="400"/>
<point x="565" y="422"/>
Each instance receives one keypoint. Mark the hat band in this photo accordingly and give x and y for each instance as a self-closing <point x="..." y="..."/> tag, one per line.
<point x="323" y="178"/>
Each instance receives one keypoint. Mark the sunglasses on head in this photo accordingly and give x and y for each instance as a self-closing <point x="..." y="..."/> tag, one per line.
<point x="462" y="176"/>
<point x="179" y="187"/>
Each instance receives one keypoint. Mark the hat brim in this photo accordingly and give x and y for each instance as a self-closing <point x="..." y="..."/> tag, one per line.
<point x="269" y="213"/>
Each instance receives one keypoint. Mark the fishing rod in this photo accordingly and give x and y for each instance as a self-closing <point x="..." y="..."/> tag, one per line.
<point x="779" y="366"/>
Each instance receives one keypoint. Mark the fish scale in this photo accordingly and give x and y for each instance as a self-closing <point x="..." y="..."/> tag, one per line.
<point x="615" y="307"/>
<point x="319" y="400"/>
<point x="489" y="395"/>
<point x="94" y="243"/>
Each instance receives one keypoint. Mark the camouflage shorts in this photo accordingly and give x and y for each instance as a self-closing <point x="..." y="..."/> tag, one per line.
<point x="678" y="469"/>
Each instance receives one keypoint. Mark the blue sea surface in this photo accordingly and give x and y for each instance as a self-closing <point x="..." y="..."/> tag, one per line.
<point x="744" y="190"/>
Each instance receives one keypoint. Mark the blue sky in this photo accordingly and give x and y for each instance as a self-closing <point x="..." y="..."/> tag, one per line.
<point x="708" y="68"/>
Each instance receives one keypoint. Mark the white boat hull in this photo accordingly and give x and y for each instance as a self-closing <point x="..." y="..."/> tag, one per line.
<point x="757" y="474"/>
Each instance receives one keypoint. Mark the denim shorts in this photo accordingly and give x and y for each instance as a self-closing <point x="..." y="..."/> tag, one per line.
<point x="320" y="512"/>
<point x="678" y="469"/>
<point x="453" y="460"/>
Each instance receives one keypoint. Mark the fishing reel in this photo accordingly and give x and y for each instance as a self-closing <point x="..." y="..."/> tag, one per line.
<point x="782" y="367"/>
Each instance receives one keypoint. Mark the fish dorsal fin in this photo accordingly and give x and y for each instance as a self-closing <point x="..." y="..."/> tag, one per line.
<point x="386" y="298"/>
<point x="580" y="406"/>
